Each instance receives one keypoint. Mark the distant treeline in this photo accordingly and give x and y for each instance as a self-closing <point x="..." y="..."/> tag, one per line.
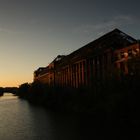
<point x="121" y="98"/>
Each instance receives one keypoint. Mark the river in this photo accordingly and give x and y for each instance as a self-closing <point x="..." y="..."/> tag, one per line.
<point x="21" y="121"/>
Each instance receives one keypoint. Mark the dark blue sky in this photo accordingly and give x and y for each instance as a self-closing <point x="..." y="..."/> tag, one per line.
<point x="34" y="32"/>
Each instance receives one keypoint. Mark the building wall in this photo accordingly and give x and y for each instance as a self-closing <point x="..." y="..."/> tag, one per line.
<point x="85" y="72"/>
<point x="92" y="70"/>
<point x="123" y="56"/>
<point x="91" y="66"/>
<point x="43" y="78"/>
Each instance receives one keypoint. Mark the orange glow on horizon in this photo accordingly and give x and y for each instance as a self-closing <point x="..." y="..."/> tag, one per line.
<point x="12" y="83"/>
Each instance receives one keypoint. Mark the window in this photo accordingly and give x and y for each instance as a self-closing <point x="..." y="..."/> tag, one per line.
<point x="116" y="57"/>
<point x="122" y="54"/>
<point x="134" y="52"/>
<point x="130" y="53"/>
<point x="122" y="67"/>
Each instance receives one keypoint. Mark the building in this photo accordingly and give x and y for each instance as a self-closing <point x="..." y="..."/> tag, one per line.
<point x="93" y="64"/>
<point x="46" y="74"/>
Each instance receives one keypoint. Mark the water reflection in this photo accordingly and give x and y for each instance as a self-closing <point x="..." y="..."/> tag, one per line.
<point x="21" y="121"/>
<point x="7" y="96"/>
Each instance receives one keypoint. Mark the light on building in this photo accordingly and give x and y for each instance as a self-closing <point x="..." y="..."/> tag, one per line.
<point x="125" y="54"/>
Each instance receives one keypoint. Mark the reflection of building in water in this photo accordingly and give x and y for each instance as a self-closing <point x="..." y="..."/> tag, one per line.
<point x="97" y="62"/>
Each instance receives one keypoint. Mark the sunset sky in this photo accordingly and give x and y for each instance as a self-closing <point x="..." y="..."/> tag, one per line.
<point x="34" y="32"/>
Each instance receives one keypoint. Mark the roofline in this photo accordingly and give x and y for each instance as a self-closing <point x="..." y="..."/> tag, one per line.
<point x="102" y="37"/>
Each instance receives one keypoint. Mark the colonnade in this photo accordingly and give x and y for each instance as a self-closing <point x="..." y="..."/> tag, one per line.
<point x="86" y="72"/>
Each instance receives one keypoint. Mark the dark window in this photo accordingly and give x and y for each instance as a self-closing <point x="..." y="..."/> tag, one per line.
<point x="130" y="53"/>
<point x="122" y="54"/>
<point x="115" y="57"/>
<point x="122" y="66"/>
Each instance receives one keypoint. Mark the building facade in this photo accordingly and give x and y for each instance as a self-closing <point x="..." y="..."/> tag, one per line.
<point x="95" y="63"/>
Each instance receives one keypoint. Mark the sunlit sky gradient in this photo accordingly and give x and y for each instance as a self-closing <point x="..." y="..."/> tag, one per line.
<point x="34" y="32"/>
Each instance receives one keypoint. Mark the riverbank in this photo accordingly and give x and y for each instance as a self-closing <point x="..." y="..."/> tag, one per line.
<point x="119" y="102"/>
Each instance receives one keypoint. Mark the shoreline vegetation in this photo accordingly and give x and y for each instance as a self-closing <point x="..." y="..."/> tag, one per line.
<point x="119" y="100"/>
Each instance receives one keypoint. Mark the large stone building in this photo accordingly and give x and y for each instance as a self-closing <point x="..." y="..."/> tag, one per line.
<point x="95" y="63"/>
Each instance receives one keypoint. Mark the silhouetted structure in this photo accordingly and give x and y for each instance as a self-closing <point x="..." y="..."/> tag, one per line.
<point x="97" y="63"/>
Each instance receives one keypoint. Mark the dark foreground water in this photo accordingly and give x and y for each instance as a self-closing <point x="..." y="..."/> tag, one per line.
<point x="21" y="121"/>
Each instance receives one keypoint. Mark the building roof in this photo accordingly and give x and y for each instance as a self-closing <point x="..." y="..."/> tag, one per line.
<point x="113" y="40"/>
<point x="41" y="70"/>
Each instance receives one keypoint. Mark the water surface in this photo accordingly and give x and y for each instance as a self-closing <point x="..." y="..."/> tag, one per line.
<point x="21" y="121"/>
